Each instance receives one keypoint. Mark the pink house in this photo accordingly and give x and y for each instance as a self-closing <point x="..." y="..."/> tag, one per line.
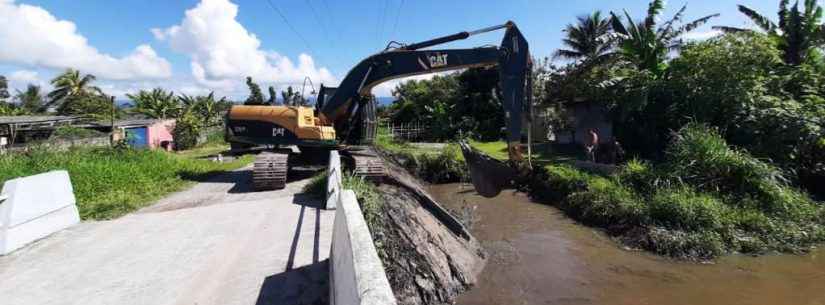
<point x="148" y="133"/>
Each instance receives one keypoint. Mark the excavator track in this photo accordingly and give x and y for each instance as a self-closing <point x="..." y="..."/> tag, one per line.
<point x="368" y="164"/>
<point x="269" y="171"/>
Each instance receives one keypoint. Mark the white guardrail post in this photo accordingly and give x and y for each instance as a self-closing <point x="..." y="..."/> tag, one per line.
<point x="34" y="207"/>
<point x="357" y="276"/>
<point x="334" y="183"/>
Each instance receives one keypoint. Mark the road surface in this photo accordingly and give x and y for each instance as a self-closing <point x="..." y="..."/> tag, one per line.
<point x="216" y="243"/>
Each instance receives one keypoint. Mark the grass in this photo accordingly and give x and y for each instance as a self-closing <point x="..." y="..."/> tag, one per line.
<point x="110" y="182"/>
<point x="706" y="199"/>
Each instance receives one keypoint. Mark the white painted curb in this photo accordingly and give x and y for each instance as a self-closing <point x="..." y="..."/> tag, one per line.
<point x="35" y="207"/>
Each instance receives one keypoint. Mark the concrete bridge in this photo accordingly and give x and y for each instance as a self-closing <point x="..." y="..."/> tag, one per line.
<point x="216" y="243"/>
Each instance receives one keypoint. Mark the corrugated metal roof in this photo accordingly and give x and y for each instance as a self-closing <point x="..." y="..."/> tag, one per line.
<point x="22" y="119"/>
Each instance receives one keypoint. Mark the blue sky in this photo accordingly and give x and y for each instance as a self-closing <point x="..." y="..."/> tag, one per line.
<point x="213" y="49"/>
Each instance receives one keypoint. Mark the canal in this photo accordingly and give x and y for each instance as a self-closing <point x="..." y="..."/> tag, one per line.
<point x="536" y="255"/>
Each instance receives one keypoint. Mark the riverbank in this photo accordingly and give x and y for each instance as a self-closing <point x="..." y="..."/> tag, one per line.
<point x="539" y="255"/>
<point x="703" y="201"/>
<point x="111" y="182"/>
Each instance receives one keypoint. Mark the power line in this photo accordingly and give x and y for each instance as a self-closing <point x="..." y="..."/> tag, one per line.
<point x="320" y="23"/>
<point x="397" y="14"/>
<point x="309" y="47"/>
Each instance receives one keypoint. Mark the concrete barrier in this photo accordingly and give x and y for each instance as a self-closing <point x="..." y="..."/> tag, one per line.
<point x="35" y="207"/>
<point x="334" y="184"/>
<point x="357" y="276"/>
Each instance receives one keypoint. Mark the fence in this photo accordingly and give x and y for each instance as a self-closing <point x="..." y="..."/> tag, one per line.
<point x="356" y="274"/>
<point x="408" y="132"/>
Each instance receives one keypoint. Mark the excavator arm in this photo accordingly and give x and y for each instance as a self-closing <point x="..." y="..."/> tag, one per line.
<point x="349" y="104"/>
<point x="512" y="58"/>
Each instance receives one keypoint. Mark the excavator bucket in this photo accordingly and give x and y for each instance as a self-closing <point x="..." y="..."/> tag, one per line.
<point x="489" y="175"/>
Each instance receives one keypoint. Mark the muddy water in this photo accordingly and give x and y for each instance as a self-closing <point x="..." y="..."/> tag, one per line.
<point x="537" y="256"/>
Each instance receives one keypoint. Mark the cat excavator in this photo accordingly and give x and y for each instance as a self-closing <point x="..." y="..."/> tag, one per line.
<point x="344" y="117"/>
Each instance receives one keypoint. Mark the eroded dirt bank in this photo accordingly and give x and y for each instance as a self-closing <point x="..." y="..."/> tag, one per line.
<point x="430" y="258"/>
<point x="539" y="256"/>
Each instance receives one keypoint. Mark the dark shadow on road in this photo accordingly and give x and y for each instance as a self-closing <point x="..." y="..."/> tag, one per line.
<point x="307" y="285"/>
<point x="308" y="200"/>
<point x="295" y="238"/>
<point x="303" y="285"/>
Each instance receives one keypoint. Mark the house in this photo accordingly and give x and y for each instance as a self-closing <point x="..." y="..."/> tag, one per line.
<point x="146" y="133"/>
<point x="582" y="115"/>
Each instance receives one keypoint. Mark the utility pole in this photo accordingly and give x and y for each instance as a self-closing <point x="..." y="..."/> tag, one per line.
<point x="112" y="134"/>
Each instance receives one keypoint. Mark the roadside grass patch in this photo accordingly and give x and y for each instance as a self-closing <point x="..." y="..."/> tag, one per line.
<point x="110" y="182"/>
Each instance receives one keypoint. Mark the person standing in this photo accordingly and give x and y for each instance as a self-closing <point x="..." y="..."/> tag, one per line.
<point x="591" y="144"/>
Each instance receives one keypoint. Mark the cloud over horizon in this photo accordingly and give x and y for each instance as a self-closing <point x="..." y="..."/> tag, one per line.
<point x="32" y="36"/>
<point x="223" y="52"/>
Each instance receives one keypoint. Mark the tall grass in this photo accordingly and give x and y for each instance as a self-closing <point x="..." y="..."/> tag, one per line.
<point x="111" y="182"/>
<point x="704" y="200"/>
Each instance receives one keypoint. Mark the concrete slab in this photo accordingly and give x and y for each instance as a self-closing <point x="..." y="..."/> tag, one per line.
<point x="216" y="243"/>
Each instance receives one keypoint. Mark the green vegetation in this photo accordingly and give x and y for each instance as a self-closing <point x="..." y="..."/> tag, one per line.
<point x="111" y="182"/>
<point x="71" y="132"/>
<point x="446" y="165"/>
<point x="704" y="200"/>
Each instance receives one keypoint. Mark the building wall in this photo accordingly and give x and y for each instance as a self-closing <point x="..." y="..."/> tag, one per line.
<point x="586" y="115"/>
<point x="160" y="132"/>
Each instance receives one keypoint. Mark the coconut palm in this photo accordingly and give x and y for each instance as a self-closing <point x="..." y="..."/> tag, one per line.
<point x="30" y="100"/>
<point x="70" y="87"/>
<point x="797" y="34"/>
<point x="158" y="103"/>
<point x="647" y="44"/>
<point x="587" y="41"/>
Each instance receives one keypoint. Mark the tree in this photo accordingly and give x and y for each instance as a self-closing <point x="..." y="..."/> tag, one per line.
<point x="73" y="88"/>
<point x="4" y="89"/>
<point x="289" y="97"/>
<point x="157" y="104"/>
<point x="255" y="95"/>
<point x="647" y="45"/>
<point x="273" y="96"/>
<point x="587" y="41"/>
<point x="204" y="108"/>
<point x="31" y="100"/>
<point x="798" y="34"/>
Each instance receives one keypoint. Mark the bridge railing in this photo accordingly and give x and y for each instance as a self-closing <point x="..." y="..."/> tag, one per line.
<point x="356" y="273"/>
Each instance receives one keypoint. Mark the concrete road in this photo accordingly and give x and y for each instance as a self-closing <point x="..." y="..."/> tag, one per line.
<point x="216" y="243"/>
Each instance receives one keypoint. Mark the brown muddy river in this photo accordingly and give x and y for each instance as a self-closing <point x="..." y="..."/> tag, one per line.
<point x="538" y="256"/>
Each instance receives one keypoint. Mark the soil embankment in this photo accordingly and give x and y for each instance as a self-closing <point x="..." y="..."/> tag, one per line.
<point x="430" y="258"/>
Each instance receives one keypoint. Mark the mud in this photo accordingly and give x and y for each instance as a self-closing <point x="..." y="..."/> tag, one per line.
<point x="429" y="257"/>
<point x="539" y="256"/>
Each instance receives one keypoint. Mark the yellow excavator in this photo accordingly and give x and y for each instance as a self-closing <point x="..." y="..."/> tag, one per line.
<point x="344" y="117"/>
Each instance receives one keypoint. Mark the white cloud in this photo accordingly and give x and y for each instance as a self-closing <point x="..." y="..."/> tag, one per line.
<point x="701" y="35"/>
<point x="24" y="76"/>
<point x="32" y="36"/>
<point x="222" y="52"/>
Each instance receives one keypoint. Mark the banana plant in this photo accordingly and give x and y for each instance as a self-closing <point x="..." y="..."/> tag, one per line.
<point x="798" y="34"/>
<point x="645" y="43"/>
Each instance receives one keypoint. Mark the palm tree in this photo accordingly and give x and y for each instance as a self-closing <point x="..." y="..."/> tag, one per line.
<point x="30" y="100"/>
<point x="158" y="103"/>
<point x="798" y="33"/>
<point x="588" y="40"/>
<point x="70" y="86"/>
<point x="645" y="44"/>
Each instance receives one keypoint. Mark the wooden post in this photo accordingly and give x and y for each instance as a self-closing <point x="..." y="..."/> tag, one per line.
<point x="112" y="135"/>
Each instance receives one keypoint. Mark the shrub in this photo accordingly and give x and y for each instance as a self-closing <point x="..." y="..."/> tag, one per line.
<point x="685" y="209"/>
<point x="606" y="203"/>
<point x="186" y="132"/>
<point x="700" y="157"/>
